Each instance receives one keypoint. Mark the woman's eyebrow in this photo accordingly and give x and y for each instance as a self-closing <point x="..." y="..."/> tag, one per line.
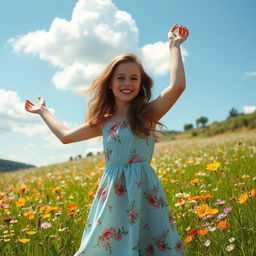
<point x="119" y="74"/>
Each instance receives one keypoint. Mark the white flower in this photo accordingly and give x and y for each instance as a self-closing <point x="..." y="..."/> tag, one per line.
<point x="212" y="228"/>
<point x="207" y="243"/>
<point x="178" y="195"/>
<point x="231" y="240"/>
<point x="230" y="247"/>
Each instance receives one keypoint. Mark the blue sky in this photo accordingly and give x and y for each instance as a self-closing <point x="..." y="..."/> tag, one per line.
<point x="52" y="48"/>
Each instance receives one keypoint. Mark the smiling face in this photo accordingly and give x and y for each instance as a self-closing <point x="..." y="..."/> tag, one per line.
<point x="125" y="82"/>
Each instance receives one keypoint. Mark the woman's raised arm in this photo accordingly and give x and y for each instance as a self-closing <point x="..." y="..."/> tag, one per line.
<point x="65" y="135"/>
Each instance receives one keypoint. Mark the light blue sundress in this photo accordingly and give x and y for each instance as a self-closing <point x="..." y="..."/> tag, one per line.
<point x="129" y="215"/>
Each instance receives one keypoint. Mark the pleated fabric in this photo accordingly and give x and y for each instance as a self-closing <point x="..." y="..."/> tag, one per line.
<point x="129" y="215"/>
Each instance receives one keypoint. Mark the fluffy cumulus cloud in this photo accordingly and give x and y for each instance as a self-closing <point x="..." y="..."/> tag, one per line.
<point x="249" y="109"/>
<point x="14" y="117"/>
<point x="82" y="46"/>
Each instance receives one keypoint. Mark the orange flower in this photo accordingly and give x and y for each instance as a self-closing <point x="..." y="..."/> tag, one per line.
<point x="243" y="198"/>
<point x="253" y="192"/>
<point x="51" y="209"/>
<point x="213" y="166"/>
<point x="30" y="214"/>
<point x="203" y="232"/>
<point x="72" y="207"/>
<point x="188" y="239"/>
<point x="194" y="181"/>
<point x="223" y="224"/>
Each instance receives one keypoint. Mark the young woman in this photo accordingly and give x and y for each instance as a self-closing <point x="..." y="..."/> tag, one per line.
<point x="129" y="215"/>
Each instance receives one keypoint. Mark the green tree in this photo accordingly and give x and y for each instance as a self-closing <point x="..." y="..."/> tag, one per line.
<point x="188" y="127"/>
<point x="203" y="120"/>
<point x="233" y="112"/>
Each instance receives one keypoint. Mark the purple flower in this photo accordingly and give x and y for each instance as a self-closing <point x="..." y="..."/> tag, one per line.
<point x="228" y="209"/>
<point x="220" y="202"/>
<point x="221" y="216"/>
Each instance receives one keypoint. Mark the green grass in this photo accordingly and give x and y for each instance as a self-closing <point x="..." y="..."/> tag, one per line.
<point x="176" y="162"/>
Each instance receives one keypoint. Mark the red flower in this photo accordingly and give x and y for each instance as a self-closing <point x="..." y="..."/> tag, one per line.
<point x="150" y="250"/>
<point x="108" y="233"/>
<point x="161" y="245"/>
<point x="118" y="236"/>
<point x="193" y="232"/>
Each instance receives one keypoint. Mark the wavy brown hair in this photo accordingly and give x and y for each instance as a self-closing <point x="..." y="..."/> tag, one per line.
<point x="102" y="104"/>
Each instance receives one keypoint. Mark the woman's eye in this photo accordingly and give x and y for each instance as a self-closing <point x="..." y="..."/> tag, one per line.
<point x="120" y="78"/>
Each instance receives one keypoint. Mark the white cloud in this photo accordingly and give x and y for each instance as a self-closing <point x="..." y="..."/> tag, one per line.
<point x="249" y="109"/>
<point x="250" y="74"/>
<point x="156" y="57"/>
<point x="82" y="46"/>
<point x="14" y="117"/>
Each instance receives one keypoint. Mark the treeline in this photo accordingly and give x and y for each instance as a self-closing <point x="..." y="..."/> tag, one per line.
<point x="8" y="166"/>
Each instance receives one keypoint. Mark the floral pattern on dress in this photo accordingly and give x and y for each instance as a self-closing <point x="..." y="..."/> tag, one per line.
<point x="102" y="192"/>
<point x="119" y="187"/>
<point x="179" y="248"/>
<point x="152" y="199"/>
<point x="107" y="154"/>
<point x="104" y="240"/>
<point x="160" y="241"/>
<point x="135" y="157"/>
<point x="150" y="250"/>
<point x="112" y="132"/>
<point x="133" y="214"/>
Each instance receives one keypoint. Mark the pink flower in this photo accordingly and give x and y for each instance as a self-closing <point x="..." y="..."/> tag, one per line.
<point x="108" y="233"/>
<point x="118" y="236"/>
<point x="45" y="225"/>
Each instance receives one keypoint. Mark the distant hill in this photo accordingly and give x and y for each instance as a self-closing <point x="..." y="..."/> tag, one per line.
<point x="8" y="166"/>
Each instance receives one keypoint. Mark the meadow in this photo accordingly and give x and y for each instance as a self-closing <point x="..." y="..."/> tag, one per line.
<point x="209" y="185"/>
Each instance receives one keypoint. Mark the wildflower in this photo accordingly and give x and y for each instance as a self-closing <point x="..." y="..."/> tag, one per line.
<point x="30" y="214"/>
<point x="228" y="209"/>
<point x="23" y="189"/>
<point x="212" y="229"/>
<point x="231" y="240"/>
<point x="180" y="202"/>
<point x="31" y="232"/>
<point x="20" y="202"/>
<point x="220" y="202"/>
<point x="253" y="192"/>
<point x="221" y="216"/>
<point x="45" y="225"/>
<point x="193" y="232"/>
<point x="223" y="224"/>
<point x="194" y="181"/>
<point x="230" y="247"/>
<point x="213" y="166"/>
<point x="23" y="240"/>
<point x="188" y="228"/>
<point x="202" y="210"/>
<point x="203" y="232"/>
<point x="72" y="207"/>
<point x="188" y="239"/>
<point x="47" y="215"/>
<point x="243" y="198"/>
<point x="55" y="190"/>
<point x="207" y="243"/>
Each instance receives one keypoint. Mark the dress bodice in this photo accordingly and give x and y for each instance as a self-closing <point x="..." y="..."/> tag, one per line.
<point x="122" y="147"/>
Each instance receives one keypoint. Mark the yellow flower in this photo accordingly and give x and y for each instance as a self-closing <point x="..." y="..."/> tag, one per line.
<point x="213" y="166"/>
<point x="31" y="232"/>
<point x="243" y="198"/>
<point x="223" y="224"/>
<point x="20" y="202"/>
<point x="213" y="211"/>
<point x="55" y="190"/>
<point x="47" y="215"/>
<point x="51" y="209"/>
<point x="23" y="240"/>
<point x="30" y="214"/>
<point x="188" y="228"/>
<point x="202" y="210"/>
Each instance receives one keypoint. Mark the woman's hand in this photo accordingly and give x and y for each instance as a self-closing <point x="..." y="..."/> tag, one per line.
<point x="35" y="108"/>
<point x="180" y="37"/>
